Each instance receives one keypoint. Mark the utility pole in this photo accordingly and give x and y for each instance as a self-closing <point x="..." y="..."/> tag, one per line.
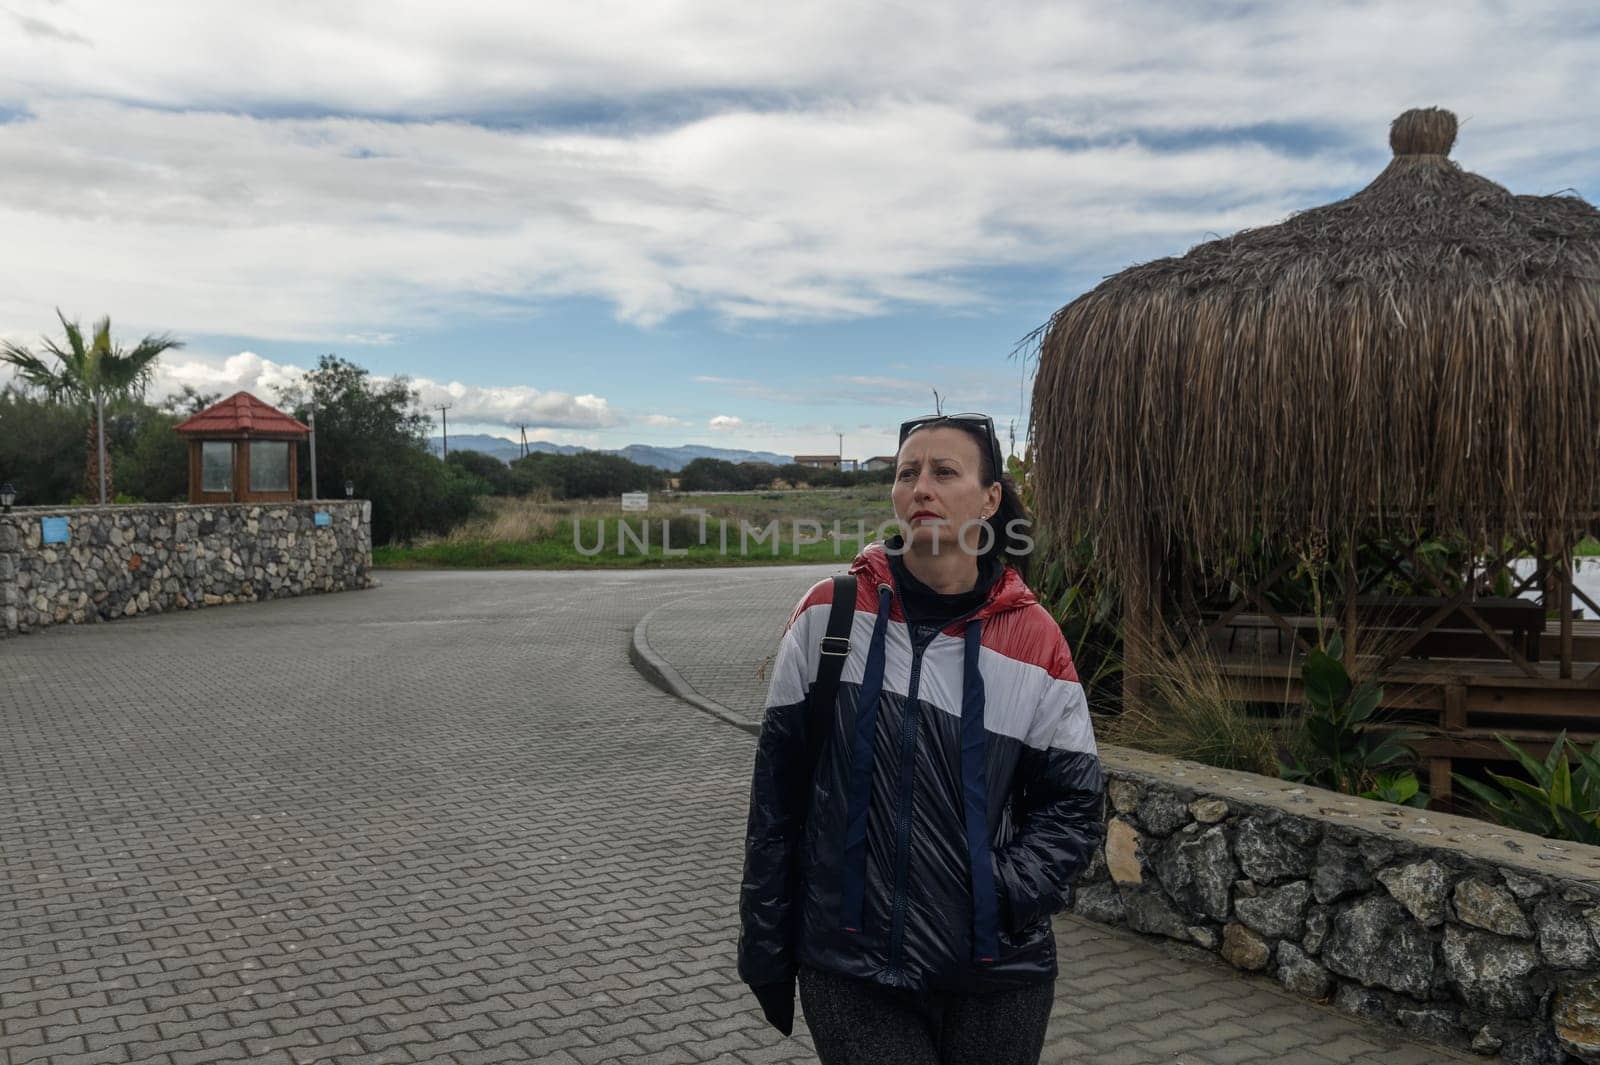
<point x="841" y="450"/>
<point x="524" y="429"/>
<point x="444" y="420"/>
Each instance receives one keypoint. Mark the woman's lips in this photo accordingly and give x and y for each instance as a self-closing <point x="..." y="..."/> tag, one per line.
<point x="925" y="515"/>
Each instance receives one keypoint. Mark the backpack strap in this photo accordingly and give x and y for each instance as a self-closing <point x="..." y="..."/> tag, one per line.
<point x="835" y="650"/>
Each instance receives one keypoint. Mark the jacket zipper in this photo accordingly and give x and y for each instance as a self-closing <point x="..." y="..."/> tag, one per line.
<point x="908" y="772"/>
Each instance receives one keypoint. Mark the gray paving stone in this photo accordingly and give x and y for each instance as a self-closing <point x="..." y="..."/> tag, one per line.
<point x="444" y="820"/>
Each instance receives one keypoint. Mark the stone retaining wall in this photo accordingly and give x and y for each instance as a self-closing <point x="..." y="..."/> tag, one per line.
<point x="125" y="560"/>
<point x="1457" y="930"/>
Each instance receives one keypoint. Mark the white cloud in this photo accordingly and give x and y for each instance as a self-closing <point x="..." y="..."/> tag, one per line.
<point x="516" y="405"/>
<point x="244" y="372"/>
<point x="498" y="406"/>
<point x="662" y="421"/>
<point x="284" y="171"/>
<point x="725" y="423"/>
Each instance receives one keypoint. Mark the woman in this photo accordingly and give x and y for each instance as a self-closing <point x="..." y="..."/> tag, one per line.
<point x="909" y="884"/>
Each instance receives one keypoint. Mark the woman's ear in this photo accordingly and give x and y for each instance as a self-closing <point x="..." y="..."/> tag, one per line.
<point x="995" y="495"/>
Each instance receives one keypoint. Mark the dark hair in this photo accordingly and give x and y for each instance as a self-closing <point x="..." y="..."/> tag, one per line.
<point x="1015" y="550"/>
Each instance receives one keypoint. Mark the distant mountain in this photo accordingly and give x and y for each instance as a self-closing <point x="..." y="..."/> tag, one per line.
<point x="498" y="446"/>
<point x="676" y="458"/>
<point x="672" y="459"/>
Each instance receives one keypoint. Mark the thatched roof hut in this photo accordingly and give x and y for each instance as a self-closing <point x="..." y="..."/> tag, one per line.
<point x="1426" y="351"/>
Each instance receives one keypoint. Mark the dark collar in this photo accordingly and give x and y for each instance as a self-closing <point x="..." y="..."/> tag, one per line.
<point x="923" y="604"/>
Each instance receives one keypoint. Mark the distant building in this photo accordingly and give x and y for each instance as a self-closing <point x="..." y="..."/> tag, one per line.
<point x="818" y="462"/>
<point x="878" y="462"/>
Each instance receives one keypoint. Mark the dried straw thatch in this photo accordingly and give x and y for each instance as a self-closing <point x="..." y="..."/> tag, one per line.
<point x="1426" y="351"/>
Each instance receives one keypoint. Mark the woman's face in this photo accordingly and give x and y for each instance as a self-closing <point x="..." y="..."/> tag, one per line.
<point x="938" y="488"/>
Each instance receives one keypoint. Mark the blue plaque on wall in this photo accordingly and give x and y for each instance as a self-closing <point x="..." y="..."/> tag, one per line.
<point x="322" y="517"/>
<point x="54" y="530"/>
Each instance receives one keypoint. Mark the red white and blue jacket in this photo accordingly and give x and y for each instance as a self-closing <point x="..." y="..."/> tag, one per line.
<point x="958" y="796"/>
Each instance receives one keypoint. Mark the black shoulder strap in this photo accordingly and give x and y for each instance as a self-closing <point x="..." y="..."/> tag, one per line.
<point x="835" y="649"/>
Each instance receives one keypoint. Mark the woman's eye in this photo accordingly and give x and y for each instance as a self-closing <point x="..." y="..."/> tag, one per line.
<point x="906" y="475"/>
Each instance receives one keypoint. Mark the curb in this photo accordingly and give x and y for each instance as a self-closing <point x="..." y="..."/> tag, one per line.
<point x="659" y="672"/>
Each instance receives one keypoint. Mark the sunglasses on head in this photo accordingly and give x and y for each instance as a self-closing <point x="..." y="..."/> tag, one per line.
<point x="971" y="421"/>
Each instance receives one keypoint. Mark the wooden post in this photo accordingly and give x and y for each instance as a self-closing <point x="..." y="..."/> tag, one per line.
<point x="1566" y="611"/>
<point x="1440" y="785"/>
<point x="1351" y="590"/>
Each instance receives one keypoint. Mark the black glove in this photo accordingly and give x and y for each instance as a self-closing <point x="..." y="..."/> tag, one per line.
<point x="777" y="1002"/>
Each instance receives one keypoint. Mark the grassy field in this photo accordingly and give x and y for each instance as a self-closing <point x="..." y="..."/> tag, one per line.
<point x="533" y="534"/>
<point x="712" y="529"/>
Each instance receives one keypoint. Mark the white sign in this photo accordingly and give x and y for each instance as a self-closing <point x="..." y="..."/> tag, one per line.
<point x="636" y="501"/>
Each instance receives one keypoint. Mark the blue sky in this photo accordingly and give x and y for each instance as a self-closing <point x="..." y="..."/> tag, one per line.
<point x="739" y="225"/>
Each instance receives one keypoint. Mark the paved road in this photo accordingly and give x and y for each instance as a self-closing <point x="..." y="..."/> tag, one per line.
<point x="443" y="820"/>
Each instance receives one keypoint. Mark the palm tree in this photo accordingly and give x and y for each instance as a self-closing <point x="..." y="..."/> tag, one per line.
<point x="91" y="374"/>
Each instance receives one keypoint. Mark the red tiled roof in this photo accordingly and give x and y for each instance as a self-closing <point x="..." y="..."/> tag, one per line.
<point x="241" y="413"/>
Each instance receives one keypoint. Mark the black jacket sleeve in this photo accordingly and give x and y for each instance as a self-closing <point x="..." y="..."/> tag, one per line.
<point x="1059" y="811"/>
<point x="768" y="908"/>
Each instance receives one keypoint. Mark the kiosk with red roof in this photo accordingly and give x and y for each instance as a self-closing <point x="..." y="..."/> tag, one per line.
<point x="242" y="451"/>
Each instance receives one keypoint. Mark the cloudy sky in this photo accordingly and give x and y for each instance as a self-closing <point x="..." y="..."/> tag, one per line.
<point x="753" y="225"/>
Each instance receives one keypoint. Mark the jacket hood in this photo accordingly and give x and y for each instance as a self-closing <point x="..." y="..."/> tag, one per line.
<point x="1009" y="593"/>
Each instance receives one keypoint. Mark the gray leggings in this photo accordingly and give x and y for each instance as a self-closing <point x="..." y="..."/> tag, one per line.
<point x="856" y="1022"/>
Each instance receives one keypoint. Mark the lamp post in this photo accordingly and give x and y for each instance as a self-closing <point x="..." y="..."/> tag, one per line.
<point x="349" y="489"/>
<point x="8" y="496"/>
<point x="100" y="416"/>
<point x="311" y="417"/>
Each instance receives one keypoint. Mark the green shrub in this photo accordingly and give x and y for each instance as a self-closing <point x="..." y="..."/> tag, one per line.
<point x="496" y="474"/>
<point x="1558" y="804"/>
<point x="373" y="434"/>
<point x="713" y="475"/>
<point x="585" y="475"/>
<point x="1342" y="745"/>
<point x="151" y="461"/>
<point x="41" y="448"/>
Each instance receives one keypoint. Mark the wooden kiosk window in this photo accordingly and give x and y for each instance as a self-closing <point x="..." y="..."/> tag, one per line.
<point x="269" y="465"/>
<point x="216" y="465"/>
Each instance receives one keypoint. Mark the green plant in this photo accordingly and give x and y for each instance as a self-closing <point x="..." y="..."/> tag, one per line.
<point x="41" y="447"/>
<point x="1560" y="803"/>
<point x="1343" y="746"/>
<point x="1072" y="581"/>
<point x="373" y="432"/>
<point x="152" y="461"/>
<point x="1070" y="586"/>
<point x="90" y="374"/>
<point x="1402" y="789"/>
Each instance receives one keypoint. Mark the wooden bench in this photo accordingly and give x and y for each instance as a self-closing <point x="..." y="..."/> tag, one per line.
<point x="1389" y="619"/>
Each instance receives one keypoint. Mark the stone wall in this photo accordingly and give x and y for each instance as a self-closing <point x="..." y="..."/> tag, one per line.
<point x="1455" y="929"/>
<point x="125" y="560"/>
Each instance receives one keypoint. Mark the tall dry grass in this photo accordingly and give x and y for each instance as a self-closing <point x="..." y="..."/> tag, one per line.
<point x="507" y="520"/>
<point x="1191" y="712"/>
